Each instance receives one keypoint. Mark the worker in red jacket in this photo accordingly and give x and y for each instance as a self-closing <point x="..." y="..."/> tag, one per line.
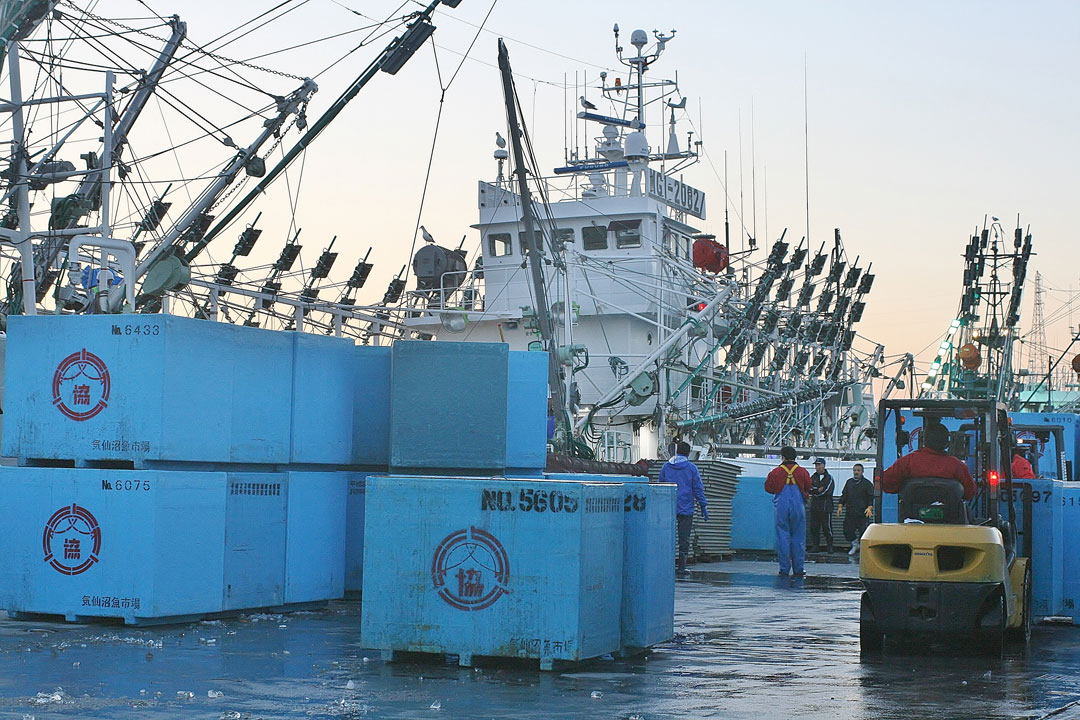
<point x="929" y="461"/>
<point x="789" y="485"/>
<point x="1021" y="468"/>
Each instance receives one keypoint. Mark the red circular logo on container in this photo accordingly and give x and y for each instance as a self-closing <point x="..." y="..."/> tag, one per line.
<point x="72" y="540"/>
<point x="80" y="385"/>
<point x="470" y="569"/>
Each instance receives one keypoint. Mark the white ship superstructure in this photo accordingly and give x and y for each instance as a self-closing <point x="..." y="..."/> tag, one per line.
<point x="651" y="320"/>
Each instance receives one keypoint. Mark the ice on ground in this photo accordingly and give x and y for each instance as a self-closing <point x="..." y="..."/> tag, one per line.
<point x="260" y="617"/>
<point x="56" y="697"/>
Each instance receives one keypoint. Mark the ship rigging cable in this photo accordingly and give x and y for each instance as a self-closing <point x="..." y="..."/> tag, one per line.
<point x="438" y="121"/>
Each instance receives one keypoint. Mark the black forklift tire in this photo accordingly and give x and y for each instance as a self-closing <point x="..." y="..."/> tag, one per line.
<point x="1022" y="634"/>
<point x="994" y="638"/>
<point x="871" y="638"/>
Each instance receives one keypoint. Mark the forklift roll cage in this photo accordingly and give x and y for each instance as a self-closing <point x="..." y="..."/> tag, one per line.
<point x="991" y="450"/>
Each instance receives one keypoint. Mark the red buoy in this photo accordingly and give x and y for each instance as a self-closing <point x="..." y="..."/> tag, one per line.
<point x="710" y="255"/>
<point x="970" y="357"/>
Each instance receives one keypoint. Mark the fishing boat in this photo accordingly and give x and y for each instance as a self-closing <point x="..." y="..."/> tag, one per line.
<point x="657" y="329"/>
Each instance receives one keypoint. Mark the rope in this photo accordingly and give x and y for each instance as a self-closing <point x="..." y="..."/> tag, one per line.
<point x="188" y="45"/>
<point x="435" y="134"/>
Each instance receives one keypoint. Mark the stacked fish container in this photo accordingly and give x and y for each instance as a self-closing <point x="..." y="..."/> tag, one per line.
<point x="648" y="575"/>
<point x="172" y="468"/>
<point x="469" y="549"/>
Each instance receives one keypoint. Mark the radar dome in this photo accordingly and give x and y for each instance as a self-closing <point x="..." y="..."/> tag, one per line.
<point x="637" y="146"/>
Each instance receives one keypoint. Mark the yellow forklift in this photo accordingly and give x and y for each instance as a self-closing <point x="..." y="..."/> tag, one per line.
<point x="937" y="568"/>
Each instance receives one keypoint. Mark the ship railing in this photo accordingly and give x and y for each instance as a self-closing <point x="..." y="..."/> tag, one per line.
<point x="616" y="446"/>
<point x="577" y="183"/>
<point x="577" y="186"/>
<point x="457" y="290"/>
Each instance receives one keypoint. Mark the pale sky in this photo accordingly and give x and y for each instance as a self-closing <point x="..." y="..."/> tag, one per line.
<point x="923" y="118"/>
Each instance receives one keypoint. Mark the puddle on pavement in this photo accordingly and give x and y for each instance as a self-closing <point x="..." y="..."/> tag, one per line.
<point x="748" y="645"/>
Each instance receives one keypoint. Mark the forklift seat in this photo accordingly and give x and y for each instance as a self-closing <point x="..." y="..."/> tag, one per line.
<point x="933" y="500"/>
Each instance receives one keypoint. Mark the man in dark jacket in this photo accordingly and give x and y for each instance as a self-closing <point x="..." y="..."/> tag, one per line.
<point x="789" y="485"/>
<point x="821" y="505"/>
<point x="682" y="472"/>
<point x="857" y="500"/>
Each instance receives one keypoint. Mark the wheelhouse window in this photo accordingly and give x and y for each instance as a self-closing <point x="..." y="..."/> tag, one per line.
<point x="500" y="245"/>
<point x="671" y="242"/>
<point x="594" y="237"/>
<point x="565" y="235"/>
<point x="627" y="233"/>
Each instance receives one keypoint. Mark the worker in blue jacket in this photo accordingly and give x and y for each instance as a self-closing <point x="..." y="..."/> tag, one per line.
<point x="682" y="472"/>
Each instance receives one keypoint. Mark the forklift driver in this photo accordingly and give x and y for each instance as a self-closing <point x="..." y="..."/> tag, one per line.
<point x="1021" y="468"/>
<point x="930" y="460"/>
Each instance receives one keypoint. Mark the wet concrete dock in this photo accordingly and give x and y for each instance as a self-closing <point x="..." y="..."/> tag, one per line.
<point x="749" y="645"/>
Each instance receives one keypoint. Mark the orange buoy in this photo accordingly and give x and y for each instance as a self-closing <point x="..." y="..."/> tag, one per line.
<point x="970" y="357"/>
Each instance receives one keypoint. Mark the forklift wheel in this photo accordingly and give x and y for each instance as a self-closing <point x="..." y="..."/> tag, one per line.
<point x="994" y="638"/>
<point x="871" y="639"/>
<point x="1022" y="634"/>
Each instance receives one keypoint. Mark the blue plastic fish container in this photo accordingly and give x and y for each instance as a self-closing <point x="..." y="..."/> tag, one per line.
<point x="1046" y="543"/>
<point x="1070" y="536"/>
<point x="890" y="507"/>
<point x="490" y="567"/>
<point x="315" y="536"/>
<point x="323" y="395"/>
<point x="168" y="545"/>
<point x="648" y="611"/>
<point x="526" y="413"/>
<point x="146" y="388"/>
<point x="371" y="407"/>
<point x="448" y="407"/>
<point x="255" y="538"/>
<point x="648" y="594"/>
<point x="753" y="525"/>
<point x="354" y="534"/>
<point x="285" y="538"/>
<point x="133" y="544"/>
<point x="753" y="514"/>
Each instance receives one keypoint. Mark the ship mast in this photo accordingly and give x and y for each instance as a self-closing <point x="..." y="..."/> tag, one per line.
<point x="532" y="247"/>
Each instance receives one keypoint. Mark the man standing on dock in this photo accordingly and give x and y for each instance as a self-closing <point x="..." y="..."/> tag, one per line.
<point x="789" y="485"/>
<point x="858" y="500"/>
<point x="682" y="472"/>
<point x="822" y="487"/>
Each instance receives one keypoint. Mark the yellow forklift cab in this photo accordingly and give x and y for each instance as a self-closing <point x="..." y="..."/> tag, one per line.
<point x="934" y="566"/>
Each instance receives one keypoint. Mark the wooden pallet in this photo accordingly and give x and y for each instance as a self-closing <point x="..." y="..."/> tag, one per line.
<point x="477" y="661"/>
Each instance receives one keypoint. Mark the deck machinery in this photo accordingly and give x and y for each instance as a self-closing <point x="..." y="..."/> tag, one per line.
<point x="933" y="566"/>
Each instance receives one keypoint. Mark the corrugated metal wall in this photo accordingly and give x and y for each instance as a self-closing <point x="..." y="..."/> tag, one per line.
<point x="711" y="540"/>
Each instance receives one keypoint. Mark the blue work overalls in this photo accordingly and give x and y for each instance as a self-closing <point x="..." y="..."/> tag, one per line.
<point x="790" y="525"/>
